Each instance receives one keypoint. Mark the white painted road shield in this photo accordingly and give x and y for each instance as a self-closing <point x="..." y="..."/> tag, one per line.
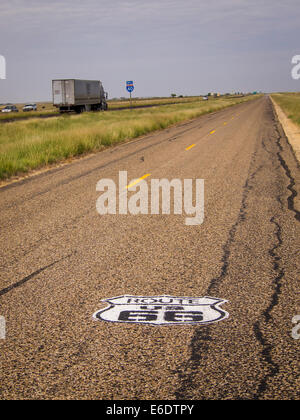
<point x="162" y="310"/>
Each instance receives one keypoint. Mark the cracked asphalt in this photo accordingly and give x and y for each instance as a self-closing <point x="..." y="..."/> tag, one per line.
<point x="59" y="258"/>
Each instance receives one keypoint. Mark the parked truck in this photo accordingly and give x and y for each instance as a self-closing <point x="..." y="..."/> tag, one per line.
<point x="78" y="95"/>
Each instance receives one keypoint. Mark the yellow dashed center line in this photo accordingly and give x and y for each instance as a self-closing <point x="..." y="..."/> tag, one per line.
<point x="147" y="175"/>
<point x="137" y="181"/>
<point x="188" y="148"/>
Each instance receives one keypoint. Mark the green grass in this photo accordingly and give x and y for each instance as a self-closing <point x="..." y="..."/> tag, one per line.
<point x="290" y="104"/>
<point x="152" y="101"/>
<point x="43" y="108"/>
<point x="46" y="108"/>
<point x="34" y="143"/>
<point x="25" y="115"/>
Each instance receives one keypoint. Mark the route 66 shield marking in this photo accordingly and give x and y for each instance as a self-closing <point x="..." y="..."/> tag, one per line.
<point x="162" y="310"/>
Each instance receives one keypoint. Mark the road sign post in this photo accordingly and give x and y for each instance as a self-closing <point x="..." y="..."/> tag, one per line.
<point x="130" y="89"/>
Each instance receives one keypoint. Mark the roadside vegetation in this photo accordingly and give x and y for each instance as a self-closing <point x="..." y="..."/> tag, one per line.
<point x="25" y="115"/>
<point x="34" y="143"/>
<point x="45" y="109"/>
<point x="290" y="104"/>
<point x="112" y="104"/>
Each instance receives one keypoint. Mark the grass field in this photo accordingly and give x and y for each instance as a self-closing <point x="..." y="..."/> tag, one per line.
<point x="34" y="143"/>
<point x="290" y="104"/>
<point x="153" y="101"/>
<point x="45" y="108"/>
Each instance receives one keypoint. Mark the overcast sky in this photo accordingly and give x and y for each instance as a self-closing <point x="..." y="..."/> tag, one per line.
<point x="186" y="47"/>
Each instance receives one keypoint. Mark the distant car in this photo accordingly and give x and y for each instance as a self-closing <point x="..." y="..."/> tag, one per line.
<point x="205" y="98"/>
<point x="10" y="108"/>
<point x="30" y="107"/>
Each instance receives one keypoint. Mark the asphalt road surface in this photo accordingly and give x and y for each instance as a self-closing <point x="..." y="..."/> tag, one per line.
<point x="59" y="258"/>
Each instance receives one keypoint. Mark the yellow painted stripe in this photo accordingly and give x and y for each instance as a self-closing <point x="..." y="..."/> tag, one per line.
<point x="188" y="148"/>
<point x="212" y="132"/>
<point x="137" y="181"/>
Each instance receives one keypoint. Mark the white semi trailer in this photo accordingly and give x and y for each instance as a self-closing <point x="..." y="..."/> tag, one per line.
<point x="78" y="95"/>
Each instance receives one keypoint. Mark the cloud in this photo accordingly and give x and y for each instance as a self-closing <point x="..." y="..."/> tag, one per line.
<point x="73" y="19"/>
<point x="149" y="39"/>
<point x="115" y="12"/>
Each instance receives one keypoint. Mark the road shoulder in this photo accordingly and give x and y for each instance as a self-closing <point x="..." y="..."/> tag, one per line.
<point x="292" y="131"/>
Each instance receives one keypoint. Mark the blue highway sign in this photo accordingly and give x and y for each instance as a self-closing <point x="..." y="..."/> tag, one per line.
<point x="129" y="86"/>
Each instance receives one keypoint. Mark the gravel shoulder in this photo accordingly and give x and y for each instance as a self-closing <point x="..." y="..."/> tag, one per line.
<point x="292" y="131"/>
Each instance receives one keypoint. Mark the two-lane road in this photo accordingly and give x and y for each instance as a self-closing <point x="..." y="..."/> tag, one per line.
<point x="59" y="258"/>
